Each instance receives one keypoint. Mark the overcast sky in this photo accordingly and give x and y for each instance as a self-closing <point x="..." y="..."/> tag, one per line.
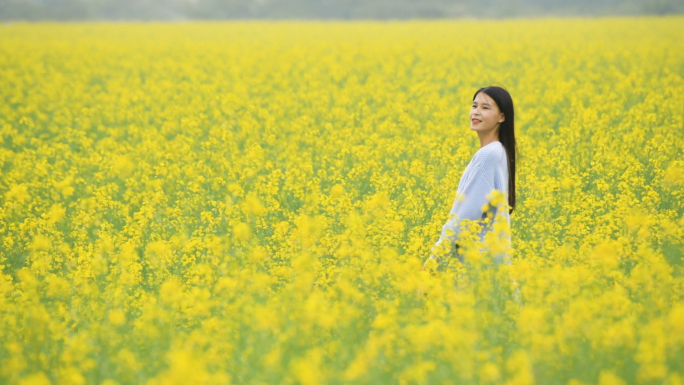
<point x="324" y="9"/>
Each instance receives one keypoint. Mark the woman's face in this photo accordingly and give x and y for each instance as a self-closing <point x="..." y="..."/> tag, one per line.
<point x="485" y="114"/>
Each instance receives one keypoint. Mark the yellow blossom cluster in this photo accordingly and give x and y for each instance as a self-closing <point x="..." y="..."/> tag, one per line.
<point x="252" y="203"/>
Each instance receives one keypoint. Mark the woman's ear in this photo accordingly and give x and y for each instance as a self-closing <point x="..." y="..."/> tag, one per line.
<point x="502" y="118"/>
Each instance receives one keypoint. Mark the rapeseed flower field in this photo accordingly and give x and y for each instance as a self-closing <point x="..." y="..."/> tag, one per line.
<point x="252" y="203"/>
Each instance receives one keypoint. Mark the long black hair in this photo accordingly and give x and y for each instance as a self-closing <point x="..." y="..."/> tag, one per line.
<point x="506" y="133"/>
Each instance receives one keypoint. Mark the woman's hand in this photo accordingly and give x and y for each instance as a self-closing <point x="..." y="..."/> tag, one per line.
<point x="432" y="257"/>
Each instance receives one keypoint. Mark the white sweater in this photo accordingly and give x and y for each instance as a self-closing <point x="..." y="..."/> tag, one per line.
<point x="487" y="171"/>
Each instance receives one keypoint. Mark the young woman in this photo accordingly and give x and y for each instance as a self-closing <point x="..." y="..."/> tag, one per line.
<point x="491" y="168"/>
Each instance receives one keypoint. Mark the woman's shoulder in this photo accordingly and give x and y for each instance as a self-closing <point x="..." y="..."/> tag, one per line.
<point x="491" y="152"/>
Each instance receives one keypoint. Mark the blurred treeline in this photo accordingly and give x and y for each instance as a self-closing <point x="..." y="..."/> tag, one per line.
<point x="323" y="9"/>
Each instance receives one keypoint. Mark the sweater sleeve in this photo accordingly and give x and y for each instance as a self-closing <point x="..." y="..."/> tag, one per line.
<point x="468" y="204"/>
